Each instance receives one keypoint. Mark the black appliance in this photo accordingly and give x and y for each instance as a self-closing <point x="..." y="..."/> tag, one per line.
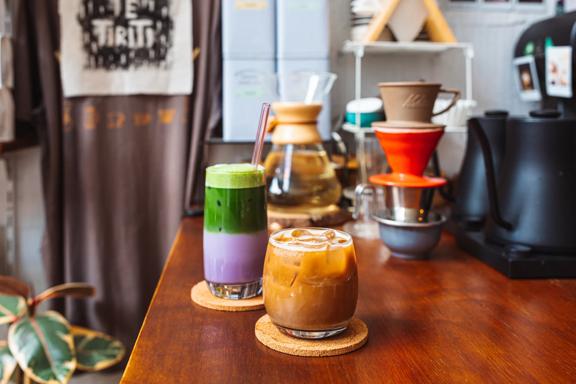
<point x="471" y="195"/>
<point x="515" y="203"/>
<point x="555" y="31"/>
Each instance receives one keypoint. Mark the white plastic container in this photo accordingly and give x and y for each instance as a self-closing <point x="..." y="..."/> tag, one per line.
<point x="248" y="29"/>
<point x="246" y="85"/>
<point x="325" y="118"/>
<point x="303" y="29"/>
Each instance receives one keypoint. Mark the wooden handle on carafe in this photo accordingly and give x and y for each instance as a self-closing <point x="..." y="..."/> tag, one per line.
<point x="272" y="123"/>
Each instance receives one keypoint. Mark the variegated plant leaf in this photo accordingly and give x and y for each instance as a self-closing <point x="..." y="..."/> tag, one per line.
<point x="76" y="290"/>
<point x="43" y="347"/>
<point x="96" y="351"/>
<point x="7" y="363"/>
<point x="11" y="307"/>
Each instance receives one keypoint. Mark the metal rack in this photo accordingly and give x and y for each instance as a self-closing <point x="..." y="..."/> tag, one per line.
<point x="360" y="50"/>
<point x="416" y="47"/>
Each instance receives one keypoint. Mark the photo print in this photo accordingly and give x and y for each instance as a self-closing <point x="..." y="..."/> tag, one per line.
<point x="527" y="78"/>
<point x="559" y="71"/>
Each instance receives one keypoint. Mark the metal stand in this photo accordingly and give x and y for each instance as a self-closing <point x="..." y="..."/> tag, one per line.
<point x="360" y="50"/>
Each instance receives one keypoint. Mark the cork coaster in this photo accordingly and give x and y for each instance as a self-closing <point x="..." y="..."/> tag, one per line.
<point x="202" y="296"/>
<point x="350" y="340"/>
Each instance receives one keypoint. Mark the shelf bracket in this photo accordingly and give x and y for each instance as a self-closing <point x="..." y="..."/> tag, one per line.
<point x="358" y="56"/>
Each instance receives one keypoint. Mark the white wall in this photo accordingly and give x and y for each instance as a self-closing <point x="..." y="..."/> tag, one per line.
<point x="22" y="218"/>
<point x="493" y="32"/>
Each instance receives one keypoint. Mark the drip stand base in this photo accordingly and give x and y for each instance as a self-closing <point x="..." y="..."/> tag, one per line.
<point x="515" y="261"/>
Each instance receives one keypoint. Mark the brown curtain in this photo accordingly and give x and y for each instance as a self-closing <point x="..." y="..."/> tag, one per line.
<point x="207" y="96"/>
<point x="27" y="93"/>
<point x="118" y="173"/>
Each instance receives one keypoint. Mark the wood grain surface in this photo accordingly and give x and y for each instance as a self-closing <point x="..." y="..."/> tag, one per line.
<point x="450" y="319"/>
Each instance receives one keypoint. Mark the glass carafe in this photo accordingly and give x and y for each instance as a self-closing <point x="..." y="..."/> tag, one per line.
<point x="298" y="173"/>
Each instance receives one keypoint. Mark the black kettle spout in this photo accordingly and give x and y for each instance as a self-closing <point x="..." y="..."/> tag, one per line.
<point x="495" y="213"/>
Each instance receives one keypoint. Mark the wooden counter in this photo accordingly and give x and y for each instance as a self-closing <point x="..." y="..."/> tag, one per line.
<point x="450" y="319"/>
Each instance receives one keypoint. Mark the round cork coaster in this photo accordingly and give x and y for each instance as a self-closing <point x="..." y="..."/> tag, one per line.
<point x="350" y="340"/>
<point x="202" y="296"/>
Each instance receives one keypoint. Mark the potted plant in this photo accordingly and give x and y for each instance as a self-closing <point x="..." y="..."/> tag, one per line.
<point x="43" y="347"/>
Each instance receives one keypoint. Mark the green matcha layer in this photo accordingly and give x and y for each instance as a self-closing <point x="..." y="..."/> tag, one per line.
<point x="235" y="176"/>
<point x="235" y="210"/>
<point x="235" y="199"/>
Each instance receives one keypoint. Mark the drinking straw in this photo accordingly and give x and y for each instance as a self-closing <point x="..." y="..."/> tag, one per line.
<point x="260" y="134"/>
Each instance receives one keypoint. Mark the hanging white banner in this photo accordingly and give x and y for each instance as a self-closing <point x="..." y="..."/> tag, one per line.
<point x="122" y="47"/>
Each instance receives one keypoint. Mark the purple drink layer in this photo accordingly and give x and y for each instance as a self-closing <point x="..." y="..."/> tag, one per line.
<point x="234" y="258"/>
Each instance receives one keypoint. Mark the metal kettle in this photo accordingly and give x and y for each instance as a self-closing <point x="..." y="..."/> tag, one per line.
<point x="471" y="192"/>
<point x="533" y="199"/>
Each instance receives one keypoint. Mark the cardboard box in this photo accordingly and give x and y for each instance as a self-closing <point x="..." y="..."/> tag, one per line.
<point x="248" y="29"/>
<point x="246" y="85"/>
<point x="303" y="29"/>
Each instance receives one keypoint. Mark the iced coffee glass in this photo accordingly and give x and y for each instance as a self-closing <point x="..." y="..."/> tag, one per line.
<point x="310" y="281"/>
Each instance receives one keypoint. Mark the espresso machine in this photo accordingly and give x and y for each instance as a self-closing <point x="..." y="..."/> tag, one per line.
<point x="515" y="203"/>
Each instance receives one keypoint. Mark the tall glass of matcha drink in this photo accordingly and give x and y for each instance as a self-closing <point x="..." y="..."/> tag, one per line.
<point x="235" y="230"/>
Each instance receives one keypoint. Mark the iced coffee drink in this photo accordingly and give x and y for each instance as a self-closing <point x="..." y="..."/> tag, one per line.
<point x="310" y="281"/>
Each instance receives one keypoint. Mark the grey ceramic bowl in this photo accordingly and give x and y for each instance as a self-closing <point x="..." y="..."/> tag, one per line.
<point x="410" y="240"/>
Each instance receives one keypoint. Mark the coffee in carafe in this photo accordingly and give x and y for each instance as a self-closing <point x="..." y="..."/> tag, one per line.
<point x="312" y="182"/>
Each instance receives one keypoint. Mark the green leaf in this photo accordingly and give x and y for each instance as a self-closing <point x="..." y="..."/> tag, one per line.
<point x="96" y="351"/>
<point x="76" y="290"/>
<point x="43" y="347"/>
<point x="7" y="363"/>
<point x="11" y="307"/>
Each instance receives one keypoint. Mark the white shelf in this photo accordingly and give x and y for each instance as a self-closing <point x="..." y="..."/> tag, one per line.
<point x="358" y="130"/>
<point x="414" y="47"/>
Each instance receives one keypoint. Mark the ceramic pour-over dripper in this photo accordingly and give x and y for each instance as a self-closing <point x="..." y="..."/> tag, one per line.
<point x="413" y="101"/>
<point x="408" y="148"/>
